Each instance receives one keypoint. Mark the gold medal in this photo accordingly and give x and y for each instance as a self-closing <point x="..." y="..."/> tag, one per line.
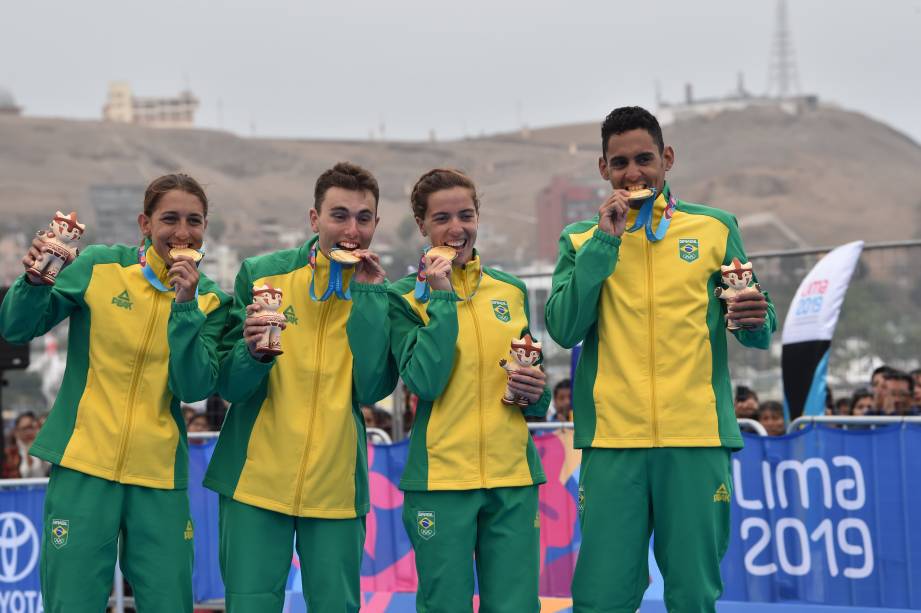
<point x="444" y="251"/>
<point x="640" y="194"/>
<point x="193" y="254"/>
<point x="343" y="256"/>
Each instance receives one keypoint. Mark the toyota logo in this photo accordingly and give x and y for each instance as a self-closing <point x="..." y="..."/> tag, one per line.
<point x="16" y="532"/>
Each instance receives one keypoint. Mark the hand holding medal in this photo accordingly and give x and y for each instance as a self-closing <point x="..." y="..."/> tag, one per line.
<point x="183" y="273"/>
<point x="368" y="269"/>
<point x="434" y="271"/>
<point x="438" y="267"/>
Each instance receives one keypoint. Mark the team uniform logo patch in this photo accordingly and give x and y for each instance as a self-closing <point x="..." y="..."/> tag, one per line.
<point x="688" y="249"/>
<point x="290" y="316"/>
<point x="60" y="530"/>
<point x="122" y="300"/>
<point x="500" y="309"/>
<point x="722" y="494"/>
<point x="425" y="522"/>
<point x="189" y="533"/>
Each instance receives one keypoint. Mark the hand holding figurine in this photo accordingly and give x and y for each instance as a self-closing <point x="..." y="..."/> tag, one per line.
<point x="746" y="306"/>
<point x="264" y="324"/>
<point x="55" y="250"/>
<point x="525" y="380"/>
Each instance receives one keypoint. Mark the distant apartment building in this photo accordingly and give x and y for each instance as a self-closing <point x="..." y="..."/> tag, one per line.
<point x="561" y="203"/>
<point x="115" y="208"/>
<point x="123" y="106"/>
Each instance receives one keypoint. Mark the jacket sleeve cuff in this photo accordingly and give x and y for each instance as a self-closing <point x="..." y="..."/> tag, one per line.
<point x="185" y="307"/>
<point x="606" y="238"/>
<point x="439" y="294"/>
<point x="261" y="364"/>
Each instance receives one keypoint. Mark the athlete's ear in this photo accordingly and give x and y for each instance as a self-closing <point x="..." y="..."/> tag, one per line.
<point x="603" y="169"/>
<point x="668" y="155"/>
<point x="421" y="225"/>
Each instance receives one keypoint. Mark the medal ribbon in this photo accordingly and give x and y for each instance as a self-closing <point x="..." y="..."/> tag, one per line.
<point x="335" y="285"/>
<point x="150" y="275"/>
<point x="644" y="218"/>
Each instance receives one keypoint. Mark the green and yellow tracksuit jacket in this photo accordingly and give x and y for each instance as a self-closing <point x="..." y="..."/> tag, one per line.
<point x="653" y="370"/>
<point x="294" y="438"/>
<point x="132" y="354"/>
<point x="448" y="350"/>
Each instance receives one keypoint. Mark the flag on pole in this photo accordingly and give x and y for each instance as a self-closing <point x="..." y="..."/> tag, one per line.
<point x="809" y="328"/>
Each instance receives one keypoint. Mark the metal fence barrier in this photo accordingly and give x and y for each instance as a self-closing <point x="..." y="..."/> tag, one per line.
<point x="852" y="420"/>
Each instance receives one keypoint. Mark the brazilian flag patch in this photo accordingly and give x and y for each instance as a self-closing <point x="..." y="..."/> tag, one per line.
<point x="688" y="249"/>
<point x="425" y="521"/>
<point x="60" y="529"/>
<point x="500" y="308"/>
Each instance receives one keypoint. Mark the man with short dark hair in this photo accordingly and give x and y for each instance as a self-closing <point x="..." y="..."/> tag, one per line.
<point x="652" y="396"/>
<point x="897" y="390"/>
<point x="291" y="461"/>
<point x="746" y="404"/>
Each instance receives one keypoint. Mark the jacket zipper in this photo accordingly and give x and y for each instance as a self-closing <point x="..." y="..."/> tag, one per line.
<point x="480" y="352"/>
<point x="140" y="359"/>
<point x="305" y="454"/>
<point x="650" y="314"/>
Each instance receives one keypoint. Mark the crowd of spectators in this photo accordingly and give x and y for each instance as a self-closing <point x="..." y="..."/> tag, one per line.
<point x="892" y="392"/>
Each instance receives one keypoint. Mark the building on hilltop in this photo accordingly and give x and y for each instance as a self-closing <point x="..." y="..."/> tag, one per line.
<point x="123" y="106"/>
<point x="668" y="112"/>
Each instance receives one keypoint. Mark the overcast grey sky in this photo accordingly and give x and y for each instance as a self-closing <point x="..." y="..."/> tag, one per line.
<point x="341" y="69"/>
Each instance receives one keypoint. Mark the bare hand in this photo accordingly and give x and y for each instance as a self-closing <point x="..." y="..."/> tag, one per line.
<point x="748" y="309"/>
<point x="33" y="256"/>
<point x="613" y="213"/>
<point x="438" y="273"/>
<point x="183" y="277"/>
<point x="528" y="382"/>
<point x="369" y="269"/>
<point x="254" y="329"/>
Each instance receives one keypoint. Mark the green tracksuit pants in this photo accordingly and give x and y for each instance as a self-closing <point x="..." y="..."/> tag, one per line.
<point x="256" y="550"/>
<point x="83" y="519"/>
<point x="680" y="493"/>
<point x="498" y="527"/>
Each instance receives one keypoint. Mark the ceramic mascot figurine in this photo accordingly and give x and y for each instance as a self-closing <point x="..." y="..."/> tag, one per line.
<point x="524" y="352"/>
<point x="738" y="277"/>
<point x="57" y="252"/>
<point x="269" y="300"/>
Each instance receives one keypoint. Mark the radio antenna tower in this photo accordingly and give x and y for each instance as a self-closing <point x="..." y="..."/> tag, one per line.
<point x="783" y="80"/>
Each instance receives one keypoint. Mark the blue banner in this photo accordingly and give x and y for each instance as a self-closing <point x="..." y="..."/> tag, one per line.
<point x="827" y="516"/>
<point x="20" y="546"/>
